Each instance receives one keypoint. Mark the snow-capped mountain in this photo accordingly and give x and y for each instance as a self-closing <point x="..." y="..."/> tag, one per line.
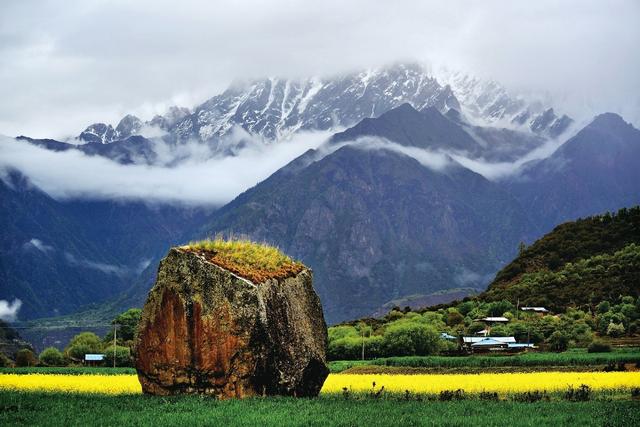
<point x="487" y="103"/>
<point x="275" y="108"/>
<point x="105" y="134"/>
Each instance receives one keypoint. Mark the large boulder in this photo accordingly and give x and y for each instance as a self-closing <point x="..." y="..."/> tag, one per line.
<point x="206" y="329"/>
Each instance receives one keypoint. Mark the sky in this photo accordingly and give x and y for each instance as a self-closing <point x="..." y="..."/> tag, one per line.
<point x="64" y="65"/>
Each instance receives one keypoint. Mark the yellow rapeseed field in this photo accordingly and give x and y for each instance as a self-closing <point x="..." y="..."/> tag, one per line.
<point x="108" y="384"/>
<point x="505" y="383"/>
<point x="472" y="383"/>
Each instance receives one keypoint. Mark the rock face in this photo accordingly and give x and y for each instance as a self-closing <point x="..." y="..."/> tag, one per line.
<point x="206" y="330"/>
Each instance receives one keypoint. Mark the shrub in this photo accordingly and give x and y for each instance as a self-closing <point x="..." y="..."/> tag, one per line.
<point x="51" y="356"/>
<point x="615" y="329"/>
<point x="598" y="346"/>
<point x="487" y="395"/>
<point x="447" y="395"/>
<point x="603" y="307"/>
<point x="350" y="348"/>
<point x="530" y="396"/>
<point x="580" y="394"/>
<point x="25" y="357"/>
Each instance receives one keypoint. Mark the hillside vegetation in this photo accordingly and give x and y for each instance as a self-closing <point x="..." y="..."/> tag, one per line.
<point x="578" y="263"/>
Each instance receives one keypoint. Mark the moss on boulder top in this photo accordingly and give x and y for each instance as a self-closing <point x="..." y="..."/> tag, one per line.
<point x="256" y="262"/>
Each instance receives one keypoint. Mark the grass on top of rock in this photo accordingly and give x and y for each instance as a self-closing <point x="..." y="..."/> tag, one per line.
<point x="256" y="262"/>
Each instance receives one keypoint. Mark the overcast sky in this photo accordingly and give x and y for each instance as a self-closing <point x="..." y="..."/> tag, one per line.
<point x="65" y="64"/>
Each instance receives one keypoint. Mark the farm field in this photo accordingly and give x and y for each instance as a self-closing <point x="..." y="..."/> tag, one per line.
<point x="354" y="383"/>
<point x="43" y="409"/>
<point x="572" y="358"/>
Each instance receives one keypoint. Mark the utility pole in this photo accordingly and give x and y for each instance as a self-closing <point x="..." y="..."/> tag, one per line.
<point x="115" y="331"/>
<point x="362" y="343"/>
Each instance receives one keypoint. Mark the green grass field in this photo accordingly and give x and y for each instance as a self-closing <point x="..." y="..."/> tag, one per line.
<point x="49" y="409"/>
<point x="565" y="359"/>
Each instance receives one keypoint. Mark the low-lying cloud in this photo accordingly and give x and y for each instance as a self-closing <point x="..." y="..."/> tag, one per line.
<point x="9" y="310"/>
<point x="436" y="160"/>
<point x="118" y="270"/>
<point x="498" y="170"/>
<point x="441" y="159"/>
<point x="195" y="178"/>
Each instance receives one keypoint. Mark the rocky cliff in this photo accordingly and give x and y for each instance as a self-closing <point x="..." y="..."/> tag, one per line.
<point x="208" y="330"/>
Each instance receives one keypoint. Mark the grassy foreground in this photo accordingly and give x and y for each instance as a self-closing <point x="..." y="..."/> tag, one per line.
<point x="48" y="409"/>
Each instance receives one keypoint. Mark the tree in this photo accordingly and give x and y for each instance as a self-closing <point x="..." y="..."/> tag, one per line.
<point x="475" y="327"/>
<point x="5" y="362"/>
<point x="122" y="355"/>
<point x="25" y="357"/>
<point x="454" y="318"/>
<point x="498" y="308"/>
<point x="521" y="248"/>
<point x="410" y="339"/>
<point x="83" y="343"/>
<point x="51" y="356"/>
<point x="128" y="322"/>
<point x="558" y="341"/>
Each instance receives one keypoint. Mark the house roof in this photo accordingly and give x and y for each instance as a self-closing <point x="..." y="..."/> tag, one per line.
<point x="488" y="342"/>
<point x="446" y="336"/>
<point x="94" y="357"/>
<point x="478" y="339"/>
<point x="540" y="309"/>
<point x="494" y="319"/>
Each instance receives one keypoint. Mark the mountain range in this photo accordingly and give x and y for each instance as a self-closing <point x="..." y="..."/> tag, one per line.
<point x="275" y="108"/>
<point x="389" y="208"/>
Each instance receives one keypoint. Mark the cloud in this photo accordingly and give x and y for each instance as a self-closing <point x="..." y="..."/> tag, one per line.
<point x="437" y="161"/>
<point x="65" y="66"/>
<point x="465" y="277"/>
<point x="498" y="170"/>
<point x="118" y="270"/>
<point x="100" y="266"/>
<point x="9" y="311"/>
<point x="195" y="178"/>
<point x="39" y="245"/>
<point x="441" y="159"/>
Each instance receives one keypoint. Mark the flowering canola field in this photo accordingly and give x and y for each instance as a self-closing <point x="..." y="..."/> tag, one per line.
<point x="335" y="383"/>
<point x="475" y="383"/>
<point x="107" y="384"/>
